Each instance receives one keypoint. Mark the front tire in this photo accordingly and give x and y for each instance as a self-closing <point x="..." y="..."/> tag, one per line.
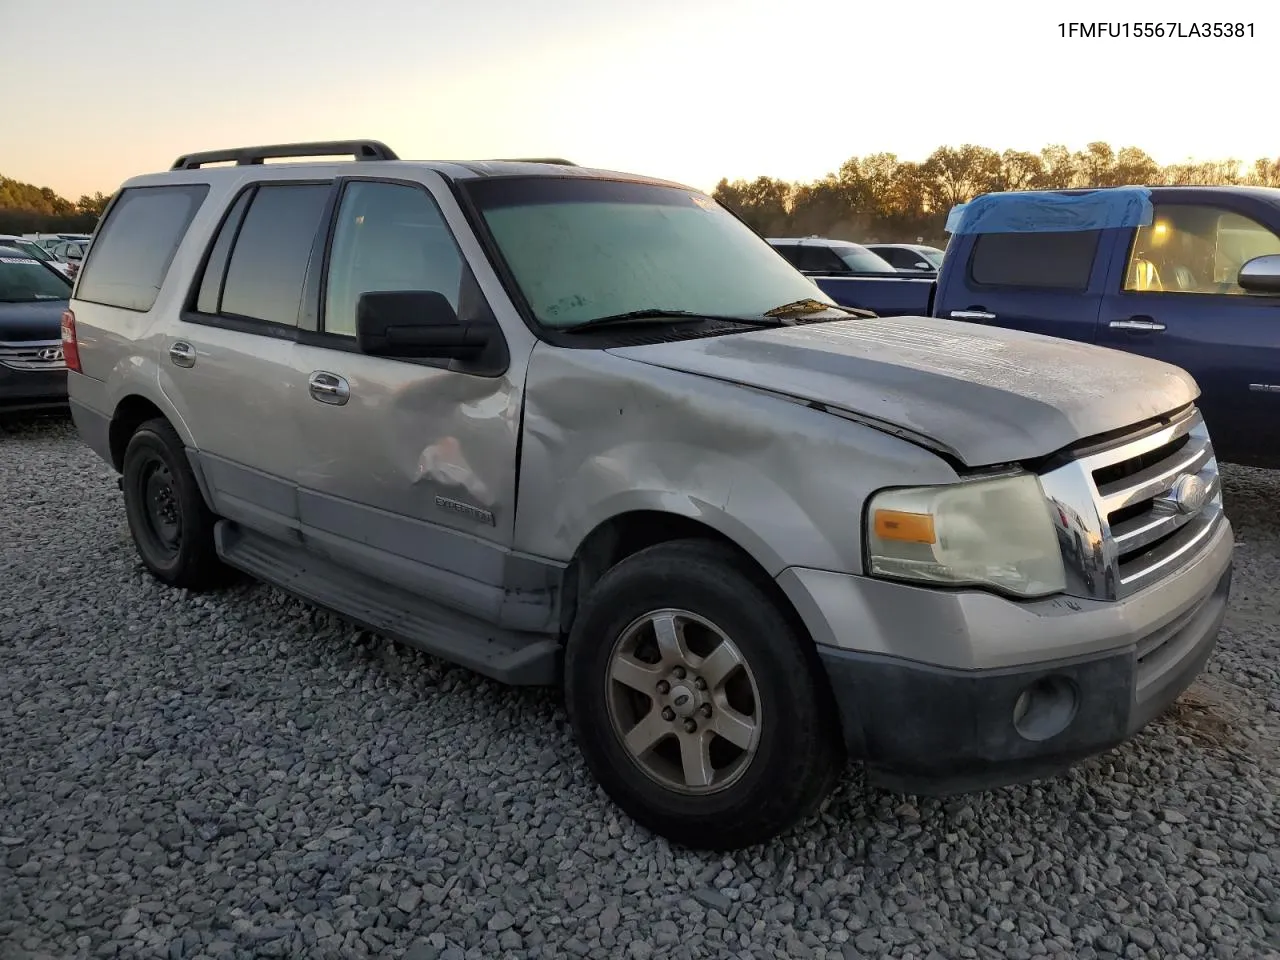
<point x="699" y="707"/>
<point x="171" y="525"/>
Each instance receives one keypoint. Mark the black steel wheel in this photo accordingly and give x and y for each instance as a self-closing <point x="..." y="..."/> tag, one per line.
<point x="171" y="525"/>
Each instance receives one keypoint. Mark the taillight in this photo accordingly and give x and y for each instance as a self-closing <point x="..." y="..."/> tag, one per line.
<point x="70" y="347"/>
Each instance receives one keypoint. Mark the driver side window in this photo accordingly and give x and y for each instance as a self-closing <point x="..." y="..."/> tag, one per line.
<point x="1195" y="249"/>
<point x="389" y="236"/>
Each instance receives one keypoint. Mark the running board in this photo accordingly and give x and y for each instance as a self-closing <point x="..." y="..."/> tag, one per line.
<point x="523" y="659"/>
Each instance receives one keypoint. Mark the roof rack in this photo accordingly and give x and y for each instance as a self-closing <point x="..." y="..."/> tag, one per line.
<point x="246" y="156"/>
<point x="557" y="160"/>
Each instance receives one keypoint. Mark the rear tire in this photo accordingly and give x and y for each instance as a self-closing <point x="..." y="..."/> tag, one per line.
<point x="683" y="645"/>
<point x="171" y="525"/>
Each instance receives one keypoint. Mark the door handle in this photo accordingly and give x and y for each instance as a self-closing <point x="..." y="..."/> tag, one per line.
<point x="329" y="388"/>
<point x="183" y="354"/>
<point x="978" y="315"/>
<point x="1143" y="324"/>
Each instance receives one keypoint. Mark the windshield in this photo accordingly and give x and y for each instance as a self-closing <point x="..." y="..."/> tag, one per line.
<point x="580" y="249"/>
<point x="23" y="280"/>
<point x="862" y="260"/>
<point x="932" y="255"/>
<point x="31" y="247"/>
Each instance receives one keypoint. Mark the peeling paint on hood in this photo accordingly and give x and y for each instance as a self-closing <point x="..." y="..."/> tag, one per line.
<point x="991" y="395"/>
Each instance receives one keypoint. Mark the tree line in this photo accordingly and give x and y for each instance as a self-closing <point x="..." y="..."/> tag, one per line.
<point x="873" y="198"/>
<point x="26" y="208"/>
<point x="881" y="198"/>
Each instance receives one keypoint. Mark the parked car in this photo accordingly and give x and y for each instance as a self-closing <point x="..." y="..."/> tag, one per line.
<point x="71" y="254"/>
<point x="817" y="255"/>
<point x="51" y="240"/>
<point x="33" y="297"/>
<point x="35" y="250"/>
<point x="852" y="275"/>
<point x="44" y="240"/>
<point x="1190" y="276"/>
<point x="568" y="425"/>
<point x="912" y="257"/>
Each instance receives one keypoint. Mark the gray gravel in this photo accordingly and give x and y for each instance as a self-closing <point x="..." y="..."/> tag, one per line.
<point x="242" y="776"/>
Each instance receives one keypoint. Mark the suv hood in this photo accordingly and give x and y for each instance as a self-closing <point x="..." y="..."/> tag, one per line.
<point x="985" y="395"/>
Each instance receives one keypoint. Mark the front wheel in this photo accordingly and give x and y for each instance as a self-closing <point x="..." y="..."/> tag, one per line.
<point x="697" y="704"/>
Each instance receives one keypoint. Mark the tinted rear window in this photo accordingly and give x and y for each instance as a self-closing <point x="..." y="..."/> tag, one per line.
<point x="137" y="242"/>
<point x="821" y="260"/>
<point x="269" y="261"/>
<point x="1062" y="261"/>
<point x="789" y="251"/>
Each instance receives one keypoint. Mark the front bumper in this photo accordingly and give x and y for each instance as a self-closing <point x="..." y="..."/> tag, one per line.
<point x="929" y="729"/>
<point x="22" y="390"/>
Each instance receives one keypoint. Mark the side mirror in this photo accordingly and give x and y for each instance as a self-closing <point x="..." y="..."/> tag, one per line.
<point x="1261" y="274"/>
<point x="414" y="323"/>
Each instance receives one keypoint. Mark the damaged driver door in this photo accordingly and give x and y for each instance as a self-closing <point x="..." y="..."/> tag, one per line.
<point x="409" y="467"/>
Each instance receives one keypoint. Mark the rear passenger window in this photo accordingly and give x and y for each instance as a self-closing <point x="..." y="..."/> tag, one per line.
<point x="1061" y="261"/>
<point x="136" y="244"/>
<point x="269" y="260"/>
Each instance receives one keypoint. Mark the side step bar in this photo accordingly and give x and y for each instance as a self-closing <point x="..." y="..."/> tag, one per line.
<point x="523" y="659"/>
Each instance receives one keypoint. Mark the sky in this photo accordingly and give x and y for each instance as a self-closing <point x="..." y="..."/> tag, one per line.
<point x="94" y="92"/>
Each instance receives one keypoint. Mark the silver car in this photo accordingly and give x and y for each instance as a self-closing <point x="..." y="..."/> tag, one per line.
<point x="563" y="425"/>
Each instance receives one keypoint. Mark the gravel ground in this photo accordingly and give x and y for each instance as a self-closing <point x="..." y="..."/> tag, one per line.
<point x="242" y="776"/>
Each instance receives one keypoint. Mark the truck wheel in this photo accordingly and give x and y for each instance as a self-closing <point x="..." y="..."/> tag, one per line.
<point x="172" y="527"/>
<point x="699" y="707"/>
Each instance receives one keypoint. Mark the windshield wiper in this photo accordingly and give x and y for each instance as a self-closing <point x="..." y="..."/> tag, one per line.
<point x="811" y="305"/>
<point x="656" y="315"/>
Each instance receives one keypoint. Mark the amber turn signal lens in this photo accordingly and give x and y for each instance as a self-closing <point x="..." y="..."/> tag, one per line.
<point x="904" y="527"/>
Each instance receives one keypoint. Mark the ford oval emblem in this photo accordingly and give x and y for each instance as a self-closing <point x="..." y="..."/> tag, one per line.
<point x="1188" y="493"/>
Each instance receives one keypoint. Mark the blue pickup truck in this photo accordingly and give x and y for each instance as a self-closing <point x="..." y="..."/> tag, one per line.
<point x="1188" y="275"/>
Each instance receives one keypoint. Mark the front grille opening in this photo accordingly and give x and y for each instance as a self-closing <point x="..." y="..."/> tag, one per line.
<point x="1117" y="517"/>
<point x="1127" y="558"/>
<point x="1114" y="472"/>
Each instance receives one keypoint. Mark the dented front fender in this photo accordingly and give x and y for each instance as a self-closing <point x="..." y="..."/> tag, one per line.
<point x="605" y="435"/>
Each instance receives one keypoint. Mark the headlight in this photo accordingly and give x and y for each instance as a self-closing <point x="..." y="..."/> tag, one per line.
<point x="993" y="533"/>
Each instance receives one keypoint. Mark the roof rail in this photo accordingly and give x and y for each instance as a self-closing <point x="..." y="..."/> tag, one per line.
<point x="557" y="160"/>
<point x="246" y="156"/>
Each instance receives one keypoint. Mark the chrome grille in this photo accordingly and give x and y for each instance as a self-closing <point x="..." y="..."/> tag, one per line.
<point x="1131" y="512"/>
<point x="32" y="355"/>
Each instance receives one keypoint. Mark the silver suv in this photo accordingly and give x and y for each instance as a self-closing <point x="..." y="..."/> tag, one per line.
<point x="562" y="425"/>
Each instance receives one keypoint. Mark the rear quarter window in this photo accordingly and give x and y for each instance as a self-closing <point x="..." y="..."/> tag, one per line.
<point x="133" y="249"/>
<point x="1058" y="261"/>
